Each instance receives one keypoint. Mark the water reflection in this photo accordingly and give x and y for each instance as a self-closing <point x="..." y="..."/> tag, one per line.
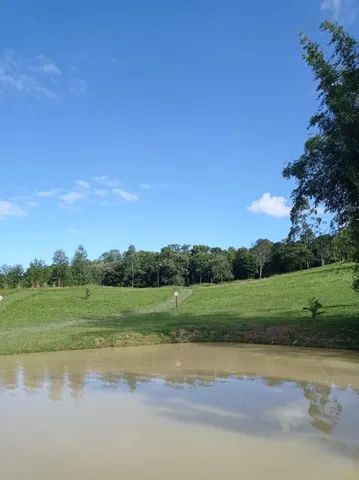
<point x="324" y="408"/>
<point x="262" y="392"/>
<point x="180" y="364"/>
<point x="275" y="389"/>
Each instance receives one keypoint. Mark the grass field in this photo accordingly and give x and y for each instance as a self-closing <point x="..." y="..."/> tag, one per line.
<point x="265" y="311"/>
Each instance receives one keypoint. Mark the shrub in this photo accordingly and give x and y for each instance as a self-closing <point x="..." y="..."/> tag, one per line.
<point x="314" y="307"/>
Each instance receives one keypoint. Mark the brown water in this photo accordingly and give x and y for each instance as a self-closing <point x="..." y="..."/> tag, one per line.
<point x="180" y="412"/>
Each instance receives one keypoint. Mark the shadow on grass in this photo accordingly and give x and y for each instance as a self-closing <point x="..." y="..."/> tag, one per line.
<point x="162" y="327"/>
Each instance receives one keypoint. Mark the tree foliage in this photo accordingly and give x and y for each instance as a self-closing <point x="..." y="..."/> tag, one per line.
<point x="328" y="170"/>
<point x="80" y="267"/>
<point x="181" y="264"/>
<point x="60" y="274"/>
<point x="327" y="173"/>
<point x="261" y="252"/>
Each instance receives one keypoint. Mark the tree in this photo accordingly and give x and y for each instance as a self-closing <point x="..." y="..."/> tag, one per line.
<point x="80" y="267"/>
<point x="302" y="231"/>
<point x="60" y="268"/>
<point x="294" y="256"/>
<point x="37" y="274"/>
<point x="199" y="263"/>
<point x="111" y="274"/>
<point x="111" y="256"/>
<point x="342" y="248"/>
<point x="327" y="172"/>
<point x="322" y="248"/>
<point x="174" y="265"/>
<point x="130" y="265"/>
<point x="261" y="252"/>
<point x="219" y="268"/>
<point x="147" y="274"/>
<point x="13" y="276"/>
<point x="244" y="264"/>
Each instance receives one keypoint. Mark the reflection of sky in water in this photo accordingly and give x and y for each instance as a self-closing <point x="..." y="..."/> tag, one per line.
<point x="253" y="405"/>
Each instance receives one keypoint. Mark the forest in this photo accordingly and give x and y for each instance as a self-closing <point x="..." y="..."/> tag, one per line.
<point x="183" y="264"/>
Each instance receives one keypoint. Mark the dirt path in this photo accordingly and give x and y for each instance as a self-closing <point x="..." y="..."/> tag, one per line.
<point x="169" y="304"/>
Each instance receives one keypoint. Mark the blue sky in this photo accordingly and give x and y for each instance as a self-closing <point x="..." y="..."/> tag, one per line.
<point x="151" y="122"/>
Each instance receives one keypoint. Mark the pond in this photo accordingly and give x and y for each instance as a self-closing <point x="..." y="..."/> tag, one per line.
<point x="184" y="411"/>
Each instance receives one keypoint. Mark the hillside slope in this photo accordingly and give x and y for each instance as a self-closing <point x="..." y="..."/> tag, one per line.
<point x="282" y="295"/>
<point x="265" y="311"/>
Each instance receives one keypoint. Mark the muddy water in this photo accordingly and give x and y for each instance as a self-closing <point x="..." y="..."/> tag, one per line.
<point x="180" y="412"/>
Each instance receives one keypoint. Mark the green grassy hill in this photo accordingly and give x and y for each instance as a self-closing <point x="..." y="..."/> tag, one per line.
<point x="265" y="311"/>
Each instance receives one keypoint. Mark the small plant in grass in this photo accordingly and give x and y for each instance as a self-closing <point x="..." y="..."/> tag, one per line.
<point x="314" y="307"/>
<point x="87" y="293"/>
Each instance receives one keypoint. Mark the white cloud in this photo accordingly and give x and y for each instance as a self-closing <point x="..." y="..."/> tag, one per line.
<point x="37" y="75"/>
<point x="14" y="81"/>
<point x="146" y="186"/>
<point x="105" y="180"/>
<point x="83" y="184"/>
<point x="54" y="192"/>
<point x="127" y="196"/>
<point x="100" y="192"/>
<point x="49" y="69"/>
<point x="20" y="74"/>
<point x="153" y="186"/>
<point x="103" y="193"/>
<point x="290" y="415"/>
<point x="334" y="6"/>
<point x="270" y="205"/>
<point x="44" y="65"/>
<point x="44" y="92"/>
<point x="32" y="203"/>
<point x="78" y="86"/>
<point x="343" y="10"/>
<point x="72" y="197"/>
<point x="10" y="209"/>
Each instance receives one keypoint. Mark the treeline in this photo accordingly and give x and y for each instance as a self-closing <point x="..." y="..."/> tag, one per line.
<point x="181" y="264"/>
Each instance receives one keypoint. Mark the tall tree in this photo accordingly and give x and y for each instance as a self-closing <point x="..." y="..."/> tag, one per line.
<point x="131" y="264"/>
<point x="342" y="248"/>
<point x="199" y="263"/>
<point x="219" y="267"/>
<point x="302" y="230"/>
<point x="80" y="267"/>
<point x="244" y="264"/>
<point x="327" y="172"/>
<point x="322" y="248"/>
<point x="60" y="268"/>
<point x="261" y="252"/>
<point x="174" y="265"/>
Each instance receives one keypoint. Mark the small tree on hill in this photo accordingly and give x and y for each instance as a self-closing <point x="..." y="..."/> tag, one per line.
<point x="314" y="307"/>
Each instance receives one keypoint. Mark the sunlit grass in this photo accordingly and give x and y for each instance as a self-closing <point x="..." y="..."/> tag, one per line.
<point x="268" y="311"/>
